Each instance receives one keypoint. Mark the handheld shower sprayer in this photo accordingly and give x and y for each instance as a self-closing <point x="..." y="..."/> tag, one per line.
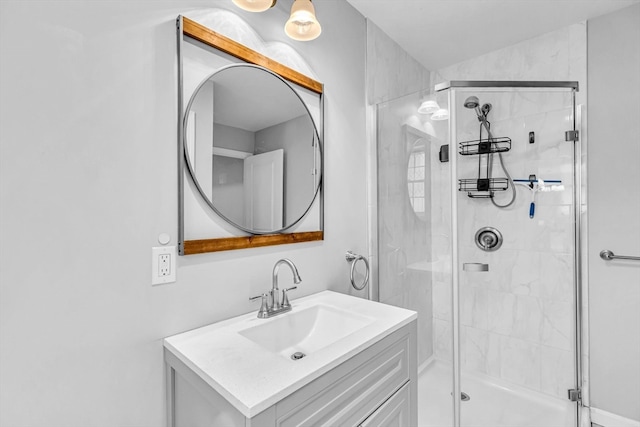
<point x="485" y="109"/>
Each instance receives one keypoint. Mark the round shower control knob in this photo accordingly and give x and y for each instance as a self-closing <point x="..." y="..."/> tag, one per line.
<point x="488" y="239"/>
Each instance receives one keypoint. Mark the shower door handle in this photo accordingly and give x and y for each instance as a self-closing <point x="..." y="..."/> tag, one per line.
<point x="475" y="266"/>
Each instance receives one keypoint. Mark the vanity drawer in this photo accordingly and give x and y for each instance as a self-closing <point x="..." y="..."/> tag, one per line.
<point x="395" y="412"/>
<point x="351" y="392"/>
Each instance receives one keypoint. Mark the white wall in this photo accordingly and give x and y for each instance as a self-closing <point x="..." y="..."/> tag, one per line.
<point x="614" y="203"/>
<point x="296" y="137"/>
<point x="234" y="138"/>
<point x="88" y="164"/>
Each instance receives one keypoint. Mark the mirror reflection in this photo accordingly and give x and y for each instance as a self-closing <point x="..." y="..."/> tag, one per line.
<point x="252" y="149"/>
<point x="417" y="178"/>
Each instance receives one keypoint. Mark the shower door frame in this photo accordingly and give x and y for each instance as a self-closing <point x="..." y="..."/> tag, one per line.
<point x="451" y="87"/>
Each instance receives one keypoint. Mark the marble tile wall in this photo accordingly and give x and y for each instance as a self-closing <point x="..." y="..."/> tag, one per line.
<point x="516" y="319"/>
<point x="399" y="237"/>
<point x="391" y="71"/>
<point x="403" y="236"/>
<point x="518" y="316"/>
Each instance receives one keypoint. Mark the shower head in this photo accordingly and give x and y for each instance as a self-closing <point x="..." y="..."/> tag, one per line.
<point x="472" y="102"/>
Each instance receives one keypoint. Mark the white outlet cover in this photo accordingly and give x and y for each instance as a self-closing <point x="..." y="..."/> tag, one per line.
<point x="156" y="252"/>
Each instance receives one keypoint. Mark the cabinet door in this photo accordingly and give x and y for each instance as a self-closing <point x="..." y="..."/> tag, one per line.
<point x="348" y="394"/>
<point x="395" y="412"/>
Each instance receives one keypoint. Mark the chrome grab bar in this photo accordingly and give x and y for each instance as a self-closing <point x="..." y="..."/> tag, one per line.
<point x="607" y="255"/>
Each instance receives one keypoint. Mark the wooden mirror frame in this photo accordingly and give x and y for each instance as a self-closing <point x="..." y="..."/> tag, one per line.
<point x="189" y="28"/>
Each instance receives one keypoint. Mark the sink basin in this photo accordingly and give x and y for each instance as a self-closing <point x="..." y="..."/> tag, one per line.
<point x="305" y="331"/>
<point x="247" y="360"/>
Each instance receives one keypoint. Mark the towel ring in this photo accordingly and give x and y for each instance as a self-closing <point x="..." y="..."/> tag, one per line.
<point x="353" y="259"/>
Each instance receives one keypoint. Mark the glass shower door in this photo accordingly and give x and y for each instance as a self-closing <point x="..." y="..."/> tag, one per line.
<point x="514" y="330"/>
<point x="413" y="238"/>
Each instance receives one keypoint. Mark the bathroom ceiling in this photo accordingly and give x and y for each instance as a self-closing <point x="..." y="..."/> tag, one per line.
<point x="439" y="33"/>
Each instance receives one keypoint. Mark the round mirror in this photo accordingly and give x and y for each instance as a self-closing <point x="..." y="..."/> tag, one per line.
<point x="252" y="148"/>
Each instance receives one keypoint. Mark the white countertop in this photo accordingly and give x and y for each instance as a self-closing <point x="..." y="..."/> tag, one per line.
<point x="252" y="378"/>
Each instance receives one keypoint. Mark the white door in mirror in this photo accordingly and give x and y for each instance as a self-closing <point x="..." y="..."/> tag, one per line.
<point x="163" y="265"/>
<point x="264" y="191"/>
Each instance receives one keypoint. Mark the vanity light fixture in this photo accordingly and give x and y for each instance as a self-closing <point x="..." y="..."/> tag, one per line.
<point x="302" y="24"/>
<point x="428" y="107"/>
<point x="441" y="114"/>
<point x="255" y="5"/>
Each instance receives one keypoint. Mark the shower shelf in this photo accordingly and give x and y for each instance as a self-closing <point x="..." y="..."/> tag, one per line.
<point x="482" y="187"/>
<point x="485" y="146"/>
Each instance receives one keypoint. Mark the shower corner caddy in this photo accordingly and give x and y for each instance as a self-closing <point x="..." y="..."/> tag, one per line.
<point x="483" y="186"/>
<point x="482" y="146"/>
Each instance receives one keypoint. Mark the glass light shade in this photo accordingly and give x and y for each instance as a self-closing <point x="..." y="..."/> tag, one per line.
<point x="302" y="24"/>
<point x="441" y="114"/>
<point x="254" y="5"/>
<point x="428" y="107"/>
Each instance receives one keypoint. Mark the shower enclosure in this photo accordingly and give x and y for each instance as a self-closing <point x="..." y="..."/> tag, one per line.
<point x="478" y="230"/>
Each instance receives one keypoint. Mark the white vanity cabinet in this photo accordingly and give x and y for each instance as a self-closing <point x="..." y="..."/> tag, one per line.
<point x="375" y="387"/>
<point x="395" y="412"/>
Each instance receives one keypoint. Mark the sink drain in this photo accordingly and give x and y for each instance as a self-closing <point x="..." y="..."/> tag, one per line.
<point x="297" y="355"/>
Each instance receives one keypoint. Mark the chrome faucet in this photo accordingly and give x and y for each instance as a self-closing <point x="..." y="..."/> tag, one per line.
<point x="276" y="302"/>
<point x="272" y="303"/>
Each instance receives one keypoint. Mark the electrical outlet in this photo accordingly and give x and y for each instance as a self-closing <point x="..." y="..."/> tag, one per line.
<point x="163" y="265"/>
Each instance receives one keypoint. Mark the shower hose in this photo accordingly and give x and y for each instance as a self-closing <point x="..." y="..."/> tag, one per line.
<point x="504" y="168"/>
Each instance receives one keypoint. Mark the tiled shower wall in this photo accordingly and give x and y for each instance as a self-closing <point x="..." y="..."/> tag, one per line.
<point x="516" y="320"/>
<point x="403" y="236"/>
<point x="398" y="236"/>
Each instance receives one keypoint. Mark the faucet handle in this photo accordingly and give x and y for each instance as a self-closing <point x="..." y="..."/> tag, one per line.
<point x="264" y="307"/>
<point x="285" y="298"/>
<point x="264" y="295"/>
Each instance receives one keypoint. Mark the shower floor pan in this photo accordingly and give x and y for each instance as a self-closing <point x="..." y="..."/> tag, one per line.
<point x="490" y="404"/>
